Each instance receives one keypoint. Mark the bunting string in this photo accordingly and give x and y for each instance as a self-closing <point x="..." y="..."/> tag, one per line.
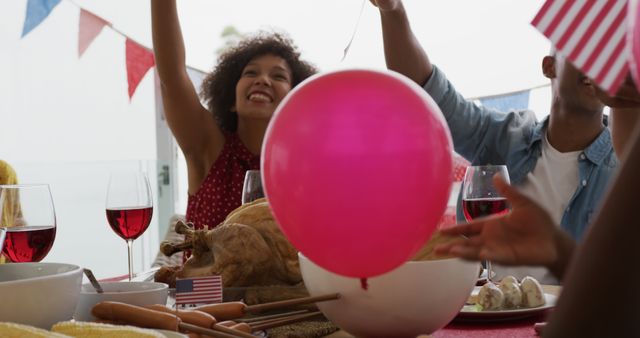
<point x="140" y="58"/>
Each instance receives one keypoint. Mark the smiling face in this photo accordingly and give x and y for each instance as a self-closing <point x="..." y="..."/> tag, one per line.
<point x="263" y="83"/>
<point x="572" y="90"/>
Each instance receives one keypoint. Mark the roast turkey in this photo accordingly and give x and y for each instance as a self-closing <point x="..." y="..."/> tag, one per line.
<point x="247" y="249"/>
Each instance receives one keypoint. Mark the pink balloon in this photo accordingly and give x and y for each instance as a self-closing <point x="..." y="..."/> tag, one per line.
<point x="633" y="39"/>
<point x="357" y="168"/>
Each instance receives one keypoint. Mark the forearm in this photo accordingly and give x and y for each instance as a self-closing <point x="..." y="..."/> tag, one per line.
<point x="168" y="44"/>
<point x="565" y="247"/>
<point x="191" y="124"/>
<point x="601" y="287"/>
<point x="402" y="50"/>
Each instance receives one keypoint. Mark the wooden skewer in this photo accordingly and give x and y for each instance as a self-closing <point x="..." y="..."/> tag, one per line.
<point x="235" y="310"/>
<point x="277" y="320"/>
<point x="290" y="302"/>
<point x="235" y="333"/>
<point x="278" y="315"/>
<point x="208" y="332"/>
<point x="267" y="324"/>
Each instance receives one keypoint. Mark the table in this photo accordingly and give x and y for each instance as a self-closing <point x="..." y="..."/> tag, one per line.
<point x="510" y="329"/>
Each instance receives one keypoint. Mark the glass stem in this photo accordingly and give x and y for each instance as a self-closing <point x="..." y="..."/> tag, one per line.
<point x="3" y="232"/>
<point x="489" y="271"/>
<point x="130" y="254"/>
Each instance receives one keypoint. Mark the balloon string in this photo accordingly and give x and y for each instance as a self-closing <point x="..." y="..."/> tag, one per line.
<point x="364" y="284"/>
<point x="353" y="35"/>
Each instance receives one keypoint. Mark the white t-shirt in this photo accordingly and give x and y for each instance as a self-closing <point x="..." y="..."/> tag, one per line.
<point x="551" y="184"/>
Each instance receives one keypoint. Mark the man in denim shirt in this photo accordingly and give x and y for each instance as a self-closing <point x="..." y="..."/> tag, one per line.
<point x="563" y="162"/>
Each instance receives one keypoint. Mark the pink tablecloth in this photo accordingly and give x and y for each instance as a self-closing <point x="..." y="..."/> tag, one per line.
<point x="504" y="329"/>
<point x="510" y="329"/>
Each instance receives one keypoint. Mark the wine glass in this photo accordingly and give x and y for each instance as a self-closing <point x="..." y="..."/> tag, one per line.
<point x="252" y="189"/>
<point x="28" y="219"/>
<point x="129" y="207"/>
<point x="480" y="197"/>
<point x="3" y="233"/>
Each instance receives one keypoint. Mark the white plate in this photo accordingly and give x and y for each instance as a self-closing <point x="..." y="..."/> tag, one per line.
<point x="144" y="276"/>
<point x="468" y="312"/>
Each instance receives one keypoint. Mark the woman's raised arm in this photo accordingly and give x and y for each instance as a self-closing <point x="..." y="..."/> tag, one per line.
<point x="193" y="126"/>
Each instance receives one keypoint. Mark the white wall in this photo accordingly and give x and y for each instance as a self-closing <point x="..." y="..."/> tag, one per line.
<point x="68" y="122"/>
<point x="62" y="108"/>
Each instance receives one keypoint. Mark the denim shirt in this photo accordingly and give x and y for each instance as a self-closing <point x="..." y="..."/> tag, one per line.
<point x="487" y="136"/>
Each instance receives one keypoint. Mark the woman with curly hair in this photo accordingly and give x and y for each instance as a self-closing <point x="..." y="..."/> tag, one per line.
<point x="224" y="141"/>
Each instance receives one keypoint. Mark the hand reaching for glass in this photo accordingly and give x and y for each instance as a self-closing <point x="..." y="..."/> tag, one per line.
<point x="525" y="236"/>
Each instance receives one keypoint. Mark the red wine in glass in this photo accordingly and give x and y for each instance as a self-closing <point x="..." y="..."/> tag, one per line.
<point x="28" y="243"/>
<point x="480" y="207"/>
<point x="480" y="197"/>
<point x="129" y="223"/>
<point x="27" y="221"/>
<point x="129" y="207"/>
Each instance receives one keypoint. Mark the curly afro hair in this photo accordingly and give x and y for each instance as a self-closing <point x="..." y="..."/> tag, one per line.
<point x="219" y="87"/>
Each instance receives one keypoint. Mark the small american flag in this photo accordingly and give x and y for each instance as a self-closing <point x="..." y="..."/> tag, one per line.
<point x="199" y="290"/>
<point x="591" y="34"/>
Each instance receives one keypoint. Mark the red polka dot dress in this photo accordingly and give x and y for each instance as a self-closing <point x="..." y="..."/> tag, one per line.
<point x="221" y="191"/>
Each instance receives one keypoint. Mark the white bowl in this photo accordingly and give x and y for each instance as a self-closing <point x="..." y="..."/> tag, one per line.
<point x="38" y="294"/>
<point x="134" y="293"/>
<point x="416" y="298"/>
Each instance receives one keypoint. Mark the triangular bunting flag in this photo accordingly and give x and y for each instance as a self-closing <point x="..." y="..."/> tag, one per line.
<point x="89" y="27"/>
<point x="37" y="11"/>
<point x="139" y="60"/>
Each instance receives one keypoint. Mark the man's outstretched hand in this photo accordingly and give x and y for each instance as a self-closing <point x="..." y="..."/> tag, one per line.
<point x="524" y="236"/>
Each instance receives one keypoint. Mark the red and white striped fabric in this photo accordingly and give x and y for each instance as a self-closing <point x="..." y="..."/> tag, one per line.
<point x="591" y="34"/>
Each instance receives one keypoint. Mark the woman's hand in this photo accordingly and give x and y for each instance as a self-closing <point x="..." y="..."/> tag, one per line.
<point x="627" y="95"/>
<point x="625" y="112"/>
<point x="386" y="5"/>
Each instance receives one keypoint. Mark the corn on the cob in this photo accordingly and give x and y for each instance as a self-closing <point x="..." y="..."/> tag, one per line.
<point x="90" y="330"/>
<point x="14" y="330"/>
